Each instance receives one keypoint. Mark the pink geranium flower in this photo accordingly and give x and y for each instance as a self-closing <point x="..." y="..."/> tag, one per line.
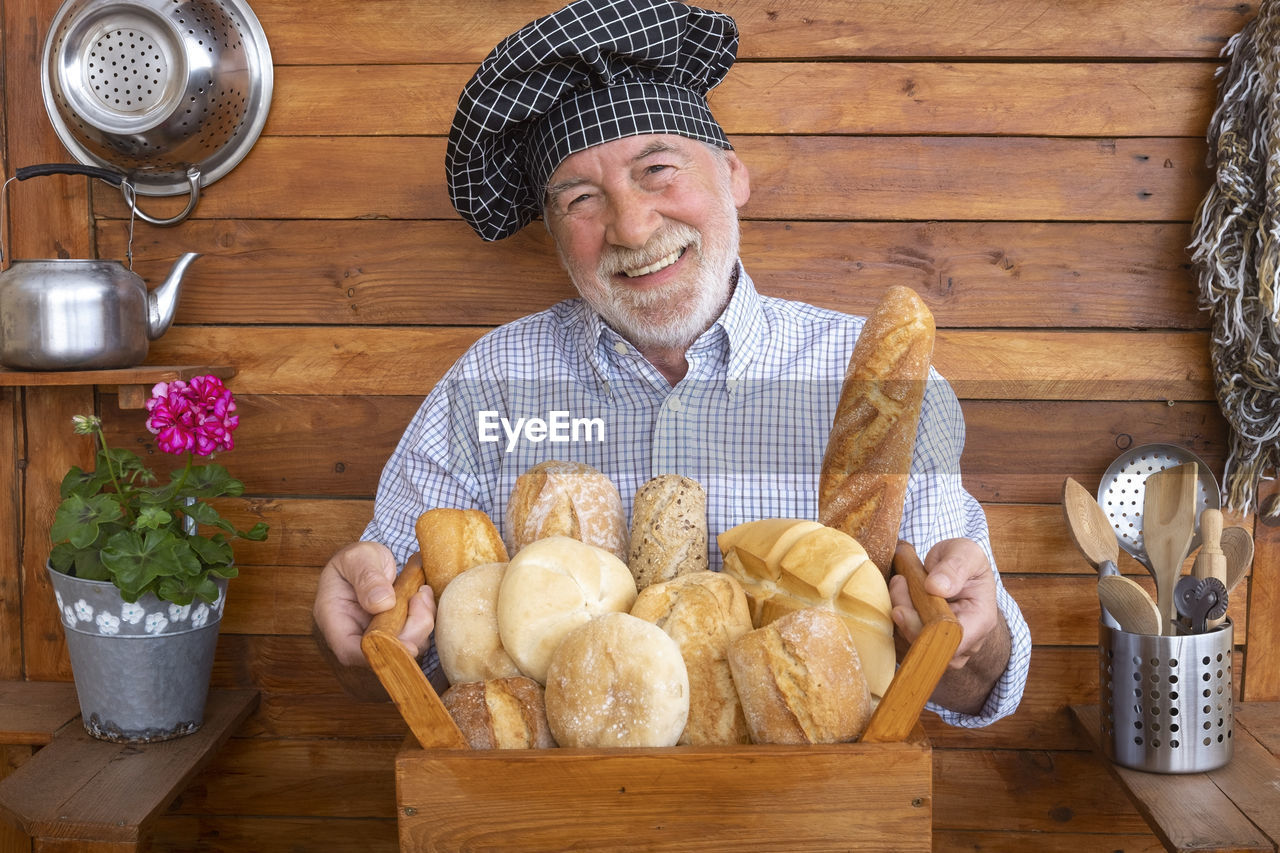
<point x="192" y="417"/>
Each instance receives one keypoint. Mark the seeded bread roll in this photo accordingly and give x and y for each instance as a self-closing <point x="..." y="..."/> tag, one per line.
<point x="551" y="587"/>
<point x="466" y="635"/>
<point x="703" y="612"/>
<point x="668" y="530"/>
<point x="567" y="499"/>
<point x="863" y="484"/>
<point x="454" y="540"/>
<point x="800" y="681"/>
<point x="617" y="681"/>
<point x="788" y="564"/>
<point x="504" y="713"/>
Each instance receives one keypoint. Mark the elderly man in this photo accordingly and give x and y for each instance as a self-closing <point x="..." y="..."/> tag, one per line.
<point x="595" y="118"/>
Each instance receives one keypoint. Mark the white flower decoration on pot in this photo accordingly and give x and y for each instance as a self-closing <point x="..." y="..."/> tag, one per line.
<point x="178" y="612"/>
<point x="83" y="611"/>
<point x="132" y="612"/>
<point x="200" y="615"/>
<point x="108" y="623"/>
<point x="156" y="623"/>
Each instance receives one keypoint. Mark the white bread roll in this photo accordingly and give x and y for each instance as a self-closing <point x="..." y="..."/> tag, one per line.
<point x="864" y="469"/>
<point x="703" y="612"/>
<point x="567" y="499"/>
<point x="786" y="565"/>
<point x="504" y="713"/>
<point x="466" y="635"/>
<point x="800" y="681"/>
<point x="454" y="540"/>
<point x="617" y="681"/>
<point x="552" y="586"/>
<point x="668" y="530"/>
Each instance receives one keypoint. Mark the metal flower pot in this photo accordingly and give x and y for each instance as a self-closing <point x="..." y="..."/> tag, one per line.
<point x="141" y="670"/>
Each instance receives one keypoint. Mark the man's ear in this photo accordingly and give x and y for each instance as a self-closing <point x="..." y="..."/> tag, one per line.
<point x="739" y="179"/>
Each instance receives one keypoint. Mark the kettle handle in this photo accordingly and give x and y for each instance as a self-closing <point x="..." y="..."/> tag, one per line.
<point x="25" y="172"/>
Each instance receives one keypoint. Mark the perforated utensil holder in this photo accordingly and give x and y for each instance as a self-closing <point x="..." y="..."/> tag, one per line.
<point x="1166" y="702"/>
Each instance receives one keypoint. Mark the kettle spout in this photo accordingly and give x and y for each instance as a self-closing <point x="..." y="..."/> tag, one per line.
<point x="162" y="303"/>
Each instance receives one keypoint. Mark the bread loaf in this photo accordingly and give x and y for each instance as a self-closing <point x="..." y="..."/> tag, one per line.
<point x="787" y="564"/>
<point x="552" y="586"/>
<point x="800" y="681"/>
<point x="863" y="483"/>
<point x="567" y="499"/>
<point x="454" y="540"/>
<point x="466" y="633"/>
<point x="668" y="530"/>
<point x="504" y="713"/>
<point x="617" y="681"/>
<point x="703" y="612"/>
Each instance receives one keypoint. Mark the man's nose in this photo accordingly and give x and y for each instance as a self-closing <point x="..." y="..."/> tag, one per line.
<point x="633" y="220"/>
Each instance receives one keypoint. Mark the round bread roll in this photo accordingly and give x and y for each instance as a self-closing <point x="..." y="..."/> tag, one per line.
<point x="617" y="681"/>
<point x="571" y="499"/>
<point x="504" y="713"/>
<point x="703" y="612"/>
<point x="467" y="638"/>
<point x="551" y="587"/>
<point x="800" y="681"/>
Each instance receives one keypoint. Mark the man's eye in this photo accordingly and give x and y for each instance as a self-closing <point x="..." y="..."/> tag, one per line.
<point x="577" y="200"/>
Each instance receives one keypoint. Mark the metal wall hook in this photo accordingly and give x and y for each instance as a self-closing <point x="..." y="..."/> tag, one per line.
<point x="131" y="198"/>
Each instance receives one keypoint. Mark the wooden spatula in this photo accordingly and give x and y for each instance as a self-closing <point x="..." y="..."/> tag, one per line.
<point x="924" y="663"/>
<point x="400" y="674"/>
<point x="1129" y="604"/>
<point x="1168" y="526"/>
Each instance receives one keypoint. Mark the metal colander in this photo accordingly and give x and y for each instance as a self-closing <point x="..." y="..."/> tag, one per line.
<point x="158" y="88"/>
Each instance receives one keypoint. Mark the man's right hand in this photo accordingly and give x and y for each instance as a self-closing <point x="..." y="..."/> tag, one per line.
<point x="356" y="584"/>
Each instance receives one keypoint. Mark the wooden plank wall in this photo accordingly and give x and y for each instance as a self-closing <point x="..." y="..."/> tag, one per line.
<point x="1030" y="168"/>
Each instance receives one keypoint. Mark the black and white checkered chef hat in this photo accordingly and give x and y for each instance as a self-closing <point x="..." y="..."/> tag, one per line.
<point x="593" y="72"/>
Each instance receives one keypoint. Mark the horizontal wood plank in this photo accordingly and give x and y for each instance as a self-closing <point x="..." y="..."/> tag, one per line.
<point x="398" y="31"/>
<point x="235" y="834"/>
<point x="1016" y="99"/>
<point x="1149" y="179"/>
<point x="971" y="274"/>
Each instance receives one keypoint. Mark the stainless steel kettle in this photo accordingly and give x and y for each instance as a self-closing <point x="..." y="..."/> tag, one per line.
<point x="61" y="314"/>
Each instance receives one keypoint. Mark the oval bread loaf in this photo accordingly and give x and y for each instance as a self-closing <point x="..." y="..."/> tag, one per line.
<point x="552" y="586"/>
<point x="703" y="612"/>
<point x="787" y="564"/>
<point x="617" y="681"/>
<point x="571" y="499"/>
<point x="454" y="540"/>
<point x="668" y="530"/>
<point x="466" y="635"/>
<point x="800" y="681"/>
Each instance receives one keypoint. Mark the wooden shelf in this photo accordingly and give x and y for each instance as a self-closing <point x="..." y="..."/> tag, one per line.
<point x="133" y="383"/>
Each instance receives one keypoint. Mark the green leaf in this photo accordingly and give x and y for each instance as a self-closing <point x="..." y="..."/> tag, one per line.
<point x="89" y="566"/>
<point x="214" y="551"/>
<point x="177" y="590"/>
<point x="211" y="481"/>
<point x="78" y="519"/>
<point x="152" y="518"/>
<point x="257" y="533"/>
<point x="136" y="561"/>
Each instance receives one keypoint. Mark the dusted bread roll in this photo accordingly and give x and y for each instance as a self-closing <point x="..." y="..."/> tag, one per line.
<point x="787" y="564"/>
<point x="864" y="470"/>
<point x="454" y="540"/>
<point x="617" y="681"/>
<point x="551" y="587"/>
<point x="703" y="612"/>
<point x="567" y="499"/>
<point x="668" y="530"/>
<point x="800" y="680"/>
<point x="466" y="635"/>
<point x="505" y="713"/>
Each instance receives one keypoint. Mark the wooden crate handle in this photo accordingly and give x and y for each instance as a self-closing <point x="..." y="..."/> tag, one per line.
<point x="400" y="674"/>
<point x="924" y="663"/>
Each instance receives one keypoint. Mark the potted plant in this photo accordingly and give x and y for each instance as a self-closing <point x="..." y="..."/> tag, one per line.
<point x="140" y="567"/>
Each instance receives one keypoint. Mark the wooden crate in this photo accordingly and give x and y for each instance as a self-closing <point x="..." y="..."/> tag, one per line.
<point x="874" y="795"/>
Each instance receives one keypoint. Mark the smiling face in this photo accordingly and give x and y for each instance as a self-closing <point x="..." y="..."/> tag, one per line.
<point x="647" y="229"/>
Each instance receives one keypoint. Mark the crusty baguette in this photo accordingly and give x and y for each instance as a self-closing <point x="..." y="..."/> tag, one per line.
<point x="454" y="540"/>
<point x="668" y="530"/>
<point x="864" y="471"/>
<point x="503" y="713"/>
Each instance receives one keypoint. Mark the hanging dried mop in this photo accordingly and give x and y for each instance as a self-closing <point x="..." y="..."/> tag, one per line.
<point x="1236" y="250"/>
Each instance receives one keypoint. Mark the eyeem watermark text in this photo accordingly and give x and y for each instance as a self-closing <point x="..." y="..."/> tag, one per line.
<point x="556" y="427"/>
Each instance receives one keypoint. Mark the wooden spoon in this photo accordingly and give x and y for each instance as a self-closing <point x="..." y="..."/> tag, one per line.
<point x="1168" y="526"/>
<point x="1093" y="534"/>
<point x="1237" y="547"/>
<point x="1130" y="604"/>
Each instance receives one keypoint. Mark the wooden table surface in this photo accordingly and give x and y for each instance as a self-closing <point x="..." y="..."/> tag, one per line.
<point x="1233" y="808"/>
<point x="82" y="794"/>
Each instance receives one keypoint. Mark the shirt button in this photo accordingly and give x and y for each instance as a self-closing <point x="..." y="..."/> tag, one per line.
<point x="732" y="385"/>
<point x="620" y="348"/>
<point x="674" y="404"/>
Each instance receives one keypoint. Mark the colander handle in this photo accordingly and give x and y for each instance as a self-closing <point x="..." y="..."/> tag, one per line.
<point x="113" y="178"/>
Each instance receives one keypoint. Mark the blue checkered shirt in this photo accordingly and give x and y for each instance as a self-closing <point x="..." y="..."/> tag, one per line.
<point x="749" y="421"/>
